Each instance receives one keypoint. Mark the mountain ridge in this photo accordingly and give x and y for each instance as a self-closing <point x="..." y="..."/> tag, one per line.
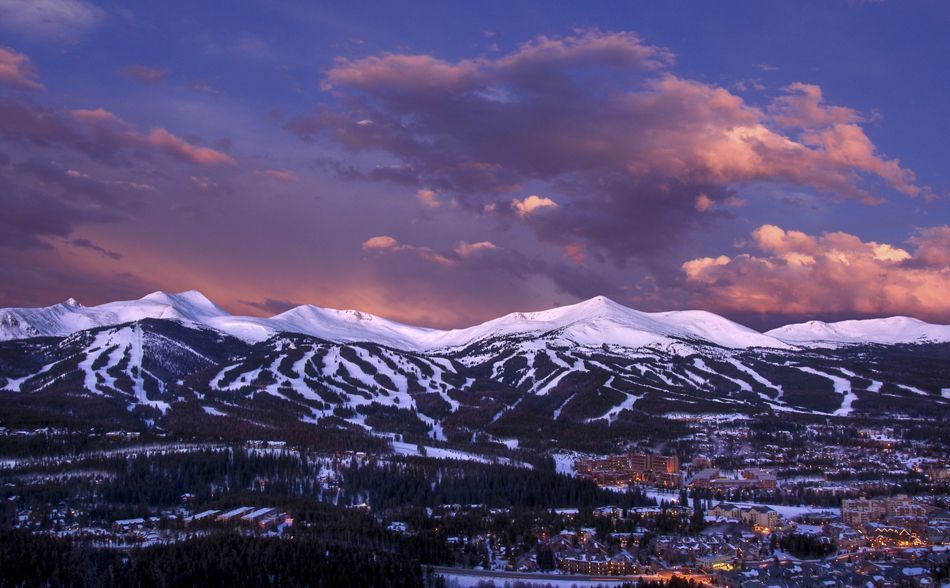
<point x="596" y="321"/>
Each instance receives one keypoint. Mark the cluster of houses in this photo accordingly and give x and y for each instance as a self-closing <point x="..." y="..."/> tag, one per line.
<point x="579" y="553"/>
<point x="711" y="550"/>
<point x="663" y="471"/>
<point x="906" y="569"/>
<point x="897" y="521"/>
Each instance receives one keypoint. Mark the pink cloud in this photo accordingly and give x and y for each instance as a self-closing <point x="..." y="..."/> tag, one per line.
<point x="166" y="141"/>
<point x="97" y="116"/>
<point x="462" y="250"/>
<point x="16" y="69"/>
<point x="281" y="175"/>
<point x="638" y="141"/>
<point x="99" y="133"/>
<point x="428" y="198"/>
<point x="576" y="252"/>
<point x="531" y="204"/>
<point x="796" y="273"/>
<point x="933" y="247"/>
<point x="704" y="203"/>
<point x="803" y="107"/>
<point x="157" y="138"/>
<point x="387" y="244"/>
<point x="380" y="242"/>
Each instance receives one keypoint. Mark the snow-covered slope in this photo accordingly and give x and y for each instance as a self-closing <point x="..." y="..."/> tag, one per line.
<point x="168" y="357"/>
<point x="885" y="331"/>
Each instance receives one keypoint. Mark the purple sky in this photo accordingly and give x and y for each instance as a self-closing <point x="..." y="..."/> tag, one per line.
<point x="444" y="163"/>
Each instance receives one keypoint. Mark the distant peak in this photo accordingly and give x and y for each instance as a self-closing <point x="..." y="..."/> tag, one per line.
<point x="189" y="295"/>
<point x="599" y="301"/>
<point x="72" y="302"/>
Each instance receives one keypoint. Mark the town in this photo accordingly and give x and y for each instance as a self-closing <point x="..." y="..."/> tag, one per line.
<point x="731" y="503"/>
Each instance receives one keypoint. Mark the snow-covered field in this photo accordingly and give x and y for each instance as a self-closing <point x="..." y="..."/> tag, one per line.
<point x="403" y="448"/>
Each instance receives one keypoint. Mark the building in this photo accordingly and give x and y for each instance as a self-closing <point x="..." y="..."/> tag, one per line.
<point x="598" y="564"/>
<point x="761" y="517"/>
<point x="234" y="514"/>
<point x="900" y="509"/>
<point x="749" y="478"/>
<point x="761" y="478"/>
<point x="633" y="468"/>
<point x="725" y="511"/>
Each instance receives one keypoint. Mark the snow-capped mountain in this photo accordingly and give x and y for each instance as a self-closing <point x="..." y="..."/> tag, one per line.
<point x="600" y="321"/>
<point x="593" y="322"/>
<point x="194" y="308"/>
<point x="179" y="359"/>
<point x="70" y="317"/>
<point x="885" y="331"/>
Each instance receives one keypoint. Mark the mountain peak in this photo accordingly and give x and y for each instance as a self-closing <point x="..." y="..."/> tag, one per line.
<point x="192" y="296"/>
<point x="72" y="302"/>
<point x="599" y="300"/>
<point x="883" y="331"/>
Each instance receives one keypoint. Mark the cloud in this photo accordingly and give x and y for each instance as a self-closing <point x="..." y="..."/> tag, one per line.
<point x="281" y="175"/>
<point x="145" y="74"/>
<point x="485" y="268"/>
<point x="380" y="242"/>
<point x="462" y="250"/>
<point x="387" y="244"/>
<point x="110" y="176"/>
<point x="87" y="244"/>
<point x="41" y="202"/>
<point x="166" y="141"/>
<point x="704" y="203"/>
<point x="576" y="252"/>
<point x="98" y="133"/>
<point x="531" y="204"/>
<point x="58" y="19"/>
<point x="600" y="119"/>
<point x="428" y="198"/>
<point x="803" y="107"/>
<point x="97" y="116"/>
<point x="794" y="273"/>
<point x="933" y="247"/>
<point x="18" y="70"/>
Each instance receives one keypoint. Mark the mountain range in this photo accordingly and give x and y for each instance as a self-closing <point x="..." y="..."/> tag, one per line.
<point x="181" y="362"/>
<point x="595" y="321"/>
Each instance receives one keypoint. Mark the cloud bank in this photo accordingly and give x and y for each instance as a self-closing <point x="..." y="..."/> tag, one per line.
<point x="630" y="152"/>
<point x="793" y="273"/>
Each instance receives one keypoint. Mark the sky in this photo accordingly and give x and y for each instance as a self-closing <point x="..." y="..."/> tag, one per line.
<point x="443" y="163"/>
